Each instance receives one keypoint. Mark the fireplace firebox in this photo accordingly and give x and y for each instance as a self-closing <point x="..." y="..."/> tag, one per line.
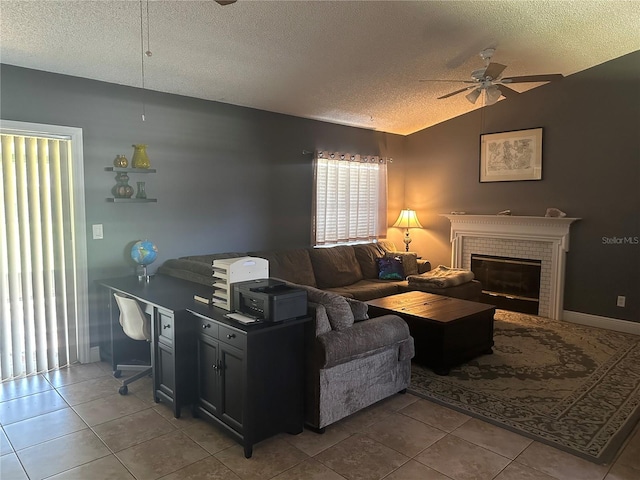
<point x="508" y="283"/>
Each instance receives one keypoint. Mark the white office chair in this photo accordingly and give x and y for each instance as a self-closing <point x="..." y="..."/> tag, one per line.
<point x="137" y="326"/>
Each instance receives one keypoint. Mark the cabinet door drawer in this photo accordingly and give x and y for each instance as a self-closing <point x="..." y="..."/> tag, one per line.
<point x="165" y="327"/>
<point x="165" y="368"/>
<point x="207" y="327"/>
<point x="233" y="337"/>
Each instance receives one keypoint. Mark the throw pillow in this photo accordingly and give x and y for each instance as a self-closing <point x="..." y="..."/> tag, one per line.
<point x="409" y="261"/>
<point x="390" y="268"/>
<point x="359" y="309"/>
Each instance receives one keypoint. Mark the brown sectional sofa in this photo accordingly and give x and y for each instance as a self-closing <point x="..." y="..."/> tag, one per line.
<point x="353" y="361"/>
<point x="349" y="270"/>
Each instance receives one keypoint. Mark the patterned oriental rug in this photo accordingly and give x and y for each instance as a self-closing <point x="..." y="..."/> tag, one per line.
<point x="574" y="387"/>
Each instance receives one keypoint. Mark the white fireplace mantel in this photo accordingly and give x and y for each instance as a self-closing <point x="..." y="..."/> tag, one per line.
<point x="553" y="231"/>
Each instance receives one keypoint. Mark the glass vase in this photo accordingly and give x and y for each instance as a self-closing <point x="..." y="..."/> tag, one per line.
<point x="122" y="189"/>
<point x="140" y="158"/>
<point x="142" y="193"/>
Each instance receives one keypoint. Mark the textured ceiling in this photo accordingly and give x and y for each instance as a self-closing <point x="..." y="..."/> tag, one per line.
<point x="349" y="62"/>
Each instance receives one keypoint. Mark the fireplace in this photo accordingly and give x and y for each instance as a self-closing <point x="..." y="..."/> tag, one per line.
<point x="507" y="282"/>
<point x="528" y="238"/>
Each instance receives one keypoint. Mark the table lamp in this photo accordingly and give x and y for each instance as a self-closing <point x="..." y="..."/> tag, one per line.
<point x="407" y="219"/>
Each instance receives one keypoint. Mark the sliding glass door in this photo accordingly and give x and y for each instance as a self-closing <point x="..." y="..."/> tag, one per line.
<point x="43" y="272"/>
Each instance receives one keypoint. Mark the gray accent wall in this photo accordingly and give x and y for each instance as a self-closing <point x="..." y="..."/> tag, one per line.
<point x="228" y="178"/>
<point x="235" y="179"/>
<point x="590" y="170"/>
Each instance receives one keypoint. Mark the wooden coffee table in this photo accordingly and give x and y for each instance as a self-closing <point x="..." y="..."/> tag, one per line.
<point x="447" y="331"/>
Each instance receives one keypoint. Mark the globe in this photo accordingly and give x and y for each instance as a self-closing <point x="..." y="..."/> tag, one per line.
<point x="144" y="252"/>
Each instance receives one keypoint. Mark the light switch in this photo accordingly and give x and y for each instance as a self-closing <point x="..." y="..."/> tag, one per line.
<point x="98" y="234"/>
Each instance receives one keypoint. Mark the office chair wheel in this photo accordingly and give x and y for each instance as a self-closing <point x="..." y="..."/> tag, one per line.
<point x="123" y="390"/>
<point x="117" y="373"/>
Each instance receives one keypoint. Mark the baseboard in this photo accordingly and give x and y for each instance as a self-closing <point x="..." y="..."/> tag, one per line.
<point x="602" y="322"/>
<point x="94" y="354"/>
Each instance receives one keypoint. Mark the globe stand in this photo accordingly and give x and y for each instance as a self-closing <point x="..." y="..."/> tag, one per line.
<point x="141" y="270"/>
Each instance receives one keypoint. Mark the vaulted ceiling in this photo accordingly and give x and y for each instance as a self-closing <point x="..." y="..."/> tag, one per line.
<point x="355" y="63"/>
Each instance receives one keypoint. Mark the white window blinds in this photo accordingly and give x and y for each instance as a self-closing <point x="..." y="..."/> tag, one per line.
<point x="38" y="287"/>
<point x="350" y="201"/>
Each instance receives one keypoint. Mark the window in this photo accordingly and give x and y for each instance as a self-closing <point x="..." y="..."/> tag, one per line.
<point x="350" y="200"/>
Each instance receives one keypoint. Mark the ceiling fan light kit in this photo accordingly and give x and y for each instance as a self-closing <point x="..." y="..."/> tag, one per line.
<point x="492" y="95"/>
<point x="473" y="96"/>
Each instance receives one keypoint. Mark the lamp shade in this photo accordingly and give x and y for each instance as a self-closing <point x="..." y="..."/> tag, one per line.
<point x="407" y="219"/>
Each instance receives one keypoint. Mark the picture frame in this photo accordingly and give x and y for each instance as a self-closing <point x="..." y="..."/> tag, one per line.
<point x="511" y="156"/>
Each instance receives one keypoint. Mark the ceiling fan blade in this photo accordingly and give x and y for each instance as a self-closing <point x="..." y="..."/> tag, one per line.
<point x="534" y="78"/>
<point x="494" y="70"/>
<point x="454" y="93"/>
<point x="449" y="81"/>
<point x="507" y="92"/>
<point x="226" y="2"/>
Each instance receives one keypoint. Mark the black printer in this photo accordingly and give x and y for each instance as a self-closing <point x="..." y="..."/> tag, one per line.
<point x="269" y="300"/>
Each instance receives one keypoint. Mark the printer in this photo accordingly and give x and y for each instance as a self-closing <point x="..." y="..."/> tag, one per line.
<point x="269" y="299"/>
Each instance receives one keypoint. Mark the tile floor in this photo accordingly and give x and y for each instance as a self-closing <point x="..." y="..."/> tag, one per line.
<point x="72" y="424"/>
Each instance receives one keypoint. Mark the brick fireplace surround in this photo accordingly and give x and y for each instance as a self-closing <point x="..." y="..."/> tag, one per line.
<point x="527" y="237"/>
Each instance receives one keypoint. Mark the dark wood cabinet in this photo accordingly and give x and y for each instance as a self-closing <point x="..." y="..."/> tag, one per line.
<point x="250" y="377"/>
<point x="165" y="381"/>
<point x="174" y="363"/>
<point x="220" y="375"/>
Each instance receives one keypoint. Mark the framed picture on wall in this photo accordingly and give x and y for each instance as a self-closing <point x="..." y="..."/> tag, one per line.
<point x="511" y="156"/>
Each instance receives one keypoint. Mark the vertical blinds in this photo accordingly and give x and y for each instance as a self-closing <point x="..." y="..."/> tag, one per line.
<point x="350" y="201"/>
<point x="38" y="287"/>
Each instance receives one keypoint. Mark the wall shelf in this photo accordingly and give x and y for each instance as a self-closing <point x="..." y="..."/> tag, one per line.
<point x="132" y="200"/>
<point x="130" y="170"/>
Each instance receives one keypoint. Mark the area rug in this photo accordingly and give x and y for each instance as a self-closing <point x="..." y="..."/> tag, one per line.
<point x="574" y="387"/>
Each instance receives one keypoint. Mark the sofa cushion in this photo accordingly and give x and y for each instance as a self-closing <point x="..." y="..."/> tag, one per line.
<point x="390" y="268"/>
<point x="291" y="265"/>
<point x="195" y="267"/>
<point x="387" y="245"/>
<point x="338" y="310"/>
<point x="335" y="266"/>
<point x="186" y="270"/>
<point x="367" y="254"/>
<point x="369" y="289"/>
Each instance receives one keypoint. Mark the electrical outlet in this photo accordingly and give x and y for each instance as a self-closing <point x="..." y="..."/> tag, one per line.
<point x="98" y="233"/>
<point x="621" y="301"/>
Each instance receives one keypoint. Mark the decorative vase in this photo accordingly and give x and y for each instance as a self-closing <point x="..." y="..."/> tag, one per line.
<point x="141" y="191"/>
<point x="121" y="161"/>
<point x="140" y="158"/>
<point x="122" y="189"/>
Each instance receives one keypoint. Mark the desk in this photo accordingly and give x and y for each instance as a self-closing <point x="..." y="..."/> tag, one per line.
<point x="165" y="299"/>
<point x="248" y="379"/>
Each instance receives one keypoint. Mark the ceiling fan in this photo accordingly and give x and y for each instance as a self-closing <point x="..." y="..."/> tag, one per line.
<point x="489" y="81"/>
<point x="226" y="2"/>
